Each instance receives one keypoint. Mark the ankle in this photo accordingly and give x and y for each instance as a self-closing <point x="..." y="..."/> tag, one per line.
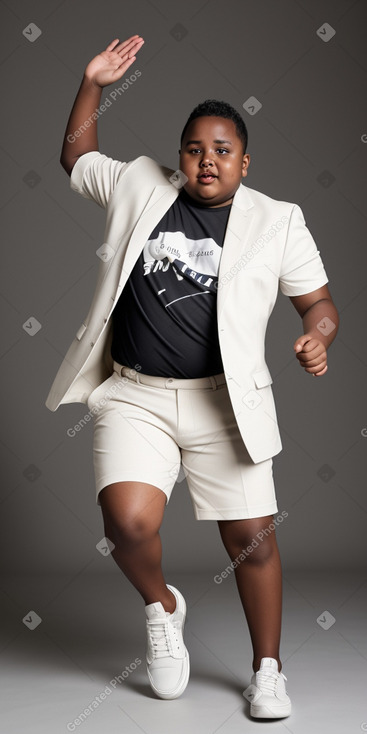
<point x="167" y="599"/>
<point x="256" y="663"/>
<point x="169" y="602"/>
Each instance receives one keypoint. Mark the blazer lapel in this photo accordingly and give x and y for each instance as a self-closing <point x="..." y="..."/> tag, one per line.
<point x="236" y="237"/>
<point x="159" y="202"/>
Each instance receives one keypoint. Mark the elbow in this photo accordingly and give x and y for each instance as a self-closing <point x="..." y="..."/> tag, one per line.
<point x="67" y="164"/>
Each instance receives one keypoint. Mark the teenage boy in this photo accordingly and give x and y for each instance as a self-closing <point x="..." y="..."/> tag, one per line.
<point x="189" y="275"/>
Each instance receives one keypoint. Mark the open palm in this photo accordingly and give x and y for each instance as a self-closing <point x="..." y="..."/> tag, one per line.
<point x="111" y="64"/>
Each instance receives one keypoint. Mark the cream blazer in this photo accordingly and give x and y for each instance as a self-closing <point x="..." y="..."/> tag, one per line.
<point x="266" y="246"/>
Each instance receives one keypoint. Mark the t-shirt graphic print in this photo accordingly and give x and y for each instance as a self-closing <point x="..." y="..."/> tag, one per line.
<point x="165" y="318"/>
<point x="197" y="260"/>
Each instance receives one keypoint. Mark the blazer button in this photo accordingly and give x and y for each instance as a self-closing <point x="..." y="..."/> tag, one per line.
<point x="92" y="344"/>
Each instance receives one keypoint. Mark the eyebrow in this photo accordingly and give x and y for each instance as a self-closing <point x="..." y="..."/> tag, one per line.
<point x="189" y="142"/>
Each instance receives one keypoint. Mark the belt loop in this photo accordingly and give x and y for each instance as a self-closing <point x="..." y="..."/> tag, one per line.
<point x="213" y="382"/>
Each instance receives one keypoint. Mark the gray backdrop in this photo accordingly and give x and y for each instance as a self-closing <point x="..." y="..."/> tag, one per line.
<point x="305" y="63"/>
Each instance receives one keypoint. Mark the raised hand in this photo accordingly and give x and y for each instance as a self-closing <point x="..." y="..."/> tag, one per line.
<point x="111" y="64"/>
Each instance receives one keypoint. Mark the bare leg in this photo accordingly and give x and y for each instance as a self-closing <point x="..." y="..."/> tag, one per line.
<point x="259" y="582"/>
<point x="132" y="514"/>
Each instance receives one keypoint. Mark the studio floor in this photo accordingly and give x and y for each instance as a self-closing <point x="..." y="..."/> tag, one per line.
<point x="88" y="650"/>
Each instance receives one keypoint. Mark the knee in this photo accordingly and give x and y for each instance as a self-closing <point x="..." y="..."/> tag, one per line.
<point x="129" y="529"/>
<point x="245" y="539"/>
<point x="262" y="550"/>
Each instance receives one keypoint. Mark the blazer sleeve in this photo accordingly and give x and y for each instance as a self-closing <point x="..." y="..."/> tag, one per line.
<point x="302" y="270"/>
<point x="95" y="176"/>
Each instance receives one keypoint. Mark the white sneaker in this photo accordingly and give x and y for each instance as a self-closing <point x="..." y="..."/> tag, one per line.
<point x="168" y="663"/>
<point x="268" y="698"/>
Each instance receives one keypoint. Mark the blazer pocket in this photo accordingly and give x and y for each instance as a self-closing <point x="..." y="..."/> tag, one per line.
<point x="262" y="378"/>
<point x="81" y="331"/>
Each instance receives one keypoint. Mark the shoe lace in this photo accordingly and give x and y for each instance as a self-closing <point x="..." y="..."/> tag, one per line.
<point x="159" y="638"/>
<point x="267" y="681"/>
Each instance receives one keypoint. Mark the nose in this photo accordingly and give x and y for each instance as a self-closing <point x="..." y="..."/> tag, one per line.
<point x="205" y="161"/>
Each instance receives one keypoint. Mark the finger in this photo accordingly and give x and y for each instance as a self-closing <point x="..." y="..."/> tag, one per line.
<point x="311" y="361"/>
<point x="130" y="51"/>
<point x="318" y="374"/>
<point x="320" y="367"/>
<point x="112" y="44"/>
<point x="124" y="64"/>
<point x="125" y="45"/>
<point x="302" y="341"/>
<point x="298" y="344"/>
<point x="310" y="346"/>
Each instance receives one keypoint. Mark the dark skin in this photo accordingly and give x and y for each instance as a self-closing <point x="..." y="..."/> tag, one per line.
<point x="133" y="511"/>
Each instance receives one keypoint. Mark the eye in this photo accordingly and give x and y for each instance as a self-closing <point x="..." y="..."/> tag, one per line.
<point x="195" y="150"/>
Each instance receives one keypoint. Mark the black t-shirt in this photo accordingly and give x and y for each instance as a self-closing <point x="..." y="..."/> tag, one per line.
<point x="166" y="316"/>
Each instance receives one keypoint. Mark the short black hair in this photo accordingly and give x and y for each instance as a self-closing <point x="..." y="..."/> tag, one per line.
<point x="217" y="108"/>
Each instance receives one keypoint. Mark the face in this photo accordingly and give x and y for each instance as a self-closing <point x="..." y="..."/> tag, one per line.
<point x="211" y="145"/>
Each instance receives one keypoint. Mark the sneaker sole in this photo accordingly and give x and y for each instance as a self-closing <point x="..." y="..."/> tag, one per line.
<point x="264" y="712"/>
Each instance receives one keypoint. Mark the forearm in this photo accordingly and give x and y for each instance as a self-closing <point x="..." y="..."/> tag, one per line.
<point x="321" y="320"/>
<point x="81" y="131"/>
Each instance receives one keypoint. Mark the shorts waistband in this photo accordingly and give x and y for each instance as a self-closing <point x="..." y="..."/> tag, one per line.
<point x="171" y="383"/>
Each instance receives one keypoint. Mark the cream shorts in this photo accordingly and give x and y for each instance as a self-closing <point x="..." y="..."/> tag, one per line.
<point x="161" y="430"/>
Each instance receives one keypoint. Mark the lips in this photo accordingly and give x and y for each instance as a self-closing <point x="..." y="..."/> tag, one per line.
<point x="207" y="175"/>
<point x="207" y="178"/>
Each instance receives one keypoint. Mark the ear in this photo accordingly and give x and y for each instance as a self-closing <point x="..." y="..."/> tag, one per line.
<point x="245" y="164"/>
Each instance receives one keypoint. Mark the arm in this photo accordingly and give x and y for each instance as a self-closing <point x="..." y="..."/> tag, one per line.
<point x="320" y="323"/>
<point x="104" y="69"/>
